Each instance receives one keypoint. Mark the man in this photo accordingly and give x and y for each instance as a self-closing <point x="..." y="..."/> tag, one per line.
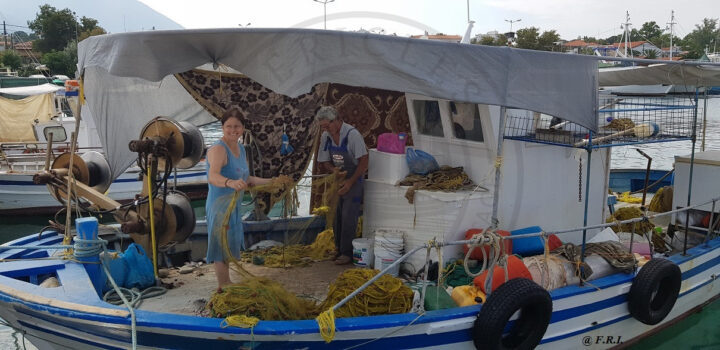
<point x="342" y="148"/>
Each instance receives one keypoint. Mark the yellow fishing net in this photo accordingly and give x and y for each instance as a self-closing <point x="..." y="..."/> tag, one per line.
<point x="387" y="295"/>
<point x="627" y="213"/>
<point x="445" y="179"/>
<point x="294" y="255"/>
<point x="620" y="124"/>
<point x="662" y="200"/>
<point x="291" y="253"/>
<point x="627" y="198"/>
<point x="259" y="298"/>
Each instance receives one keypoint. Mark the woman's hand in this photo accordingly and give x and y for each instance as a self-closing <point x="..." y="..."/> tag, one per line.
<point x="237" y="185"/>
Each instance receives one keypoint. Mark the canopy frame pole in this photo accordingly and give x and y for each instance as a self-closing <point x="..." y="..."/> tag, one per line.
<point x="692" y="166"/>
<point x="704" y="127"/>
<point x="588" y="149"/>
<point x="498" y="167"/>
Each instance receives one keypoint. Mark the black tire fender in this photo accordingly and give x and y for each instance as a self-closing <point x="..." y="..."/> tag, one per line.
<point x="654" y="291"/>
<point x="519" y="294"/>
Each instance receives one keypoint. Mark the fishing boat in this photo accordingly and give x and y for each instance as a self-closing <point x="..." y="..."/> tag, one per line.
<point x="30" y="118"/>
<point x="486" y="109"/>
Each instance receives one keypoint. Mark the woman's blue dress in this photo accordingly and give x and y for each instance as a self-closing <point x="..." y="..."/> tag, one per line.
<point x="217" y="203"/>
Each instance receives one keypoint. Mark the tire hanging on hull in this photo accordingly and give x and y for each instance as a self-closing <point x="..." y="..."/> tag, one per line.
<point x="519" y="294"/>
<point x="654" y="291"/>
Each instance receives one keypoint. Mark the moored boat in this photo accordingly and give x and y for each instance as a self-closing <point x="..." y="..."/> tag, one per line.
<point x="526" y="171"/>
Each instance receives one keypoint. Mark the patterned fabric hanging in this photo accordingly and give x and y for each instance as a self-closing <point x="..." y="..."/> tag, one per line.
<point x="271" y="115"/>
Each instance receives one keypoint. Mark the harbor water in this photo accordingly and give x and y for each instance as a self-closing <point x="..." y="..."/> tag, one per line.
<point x="698" y="331"/>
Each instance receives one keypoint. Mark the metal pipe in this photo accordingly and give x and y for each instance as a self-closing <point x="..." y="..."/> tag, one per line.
<point x="702" y="144"/>
<point x="498" y="168"/>
<point x="653" y="61"/>
<point x="647" y="177"/>
<point x="587" y="202"/>
<point x="692" y="166"/>
<point x="711" y="224"/>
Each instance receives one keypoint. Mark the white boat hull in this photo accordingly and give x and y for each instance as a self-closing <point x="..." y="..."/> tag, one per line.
<point x="19" y="195"/>
<point x="72" y="316"/>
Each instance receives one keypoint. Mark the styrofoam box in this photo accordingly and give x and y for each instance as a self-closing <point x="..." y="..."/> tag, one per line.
<point x="386" y="167"/>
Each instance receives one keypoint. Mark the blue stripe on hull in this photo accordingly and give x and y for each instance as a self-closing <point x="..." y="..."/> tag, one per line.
<point x="66" y="336"/>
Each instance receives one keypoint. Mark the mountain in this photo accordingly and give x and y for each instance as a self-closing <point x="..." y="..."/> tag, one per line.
<point x="115" y="16"/>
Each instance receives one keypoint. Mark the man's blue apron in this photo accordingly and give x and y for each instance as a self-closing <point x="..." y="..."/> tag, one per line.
<point x="348" y="210"/>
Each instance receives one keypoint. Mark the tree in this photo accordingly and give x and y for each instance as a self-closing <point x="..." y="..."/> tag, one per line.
<point x="12" y="60"/>
<point x="650" y="31"/>
<point x="55" y="27"/>
<point x="89" y="27"/>
<point x="527" y="38"/>
<point x="21" y="37"/>
<point x="613" y="39"/>
<point x="62" y="62"/>
<point x="547" y="40"/>
<point x="696" y="42"/>
<point x="492" y="40"/>
<point x="487" y="40"/>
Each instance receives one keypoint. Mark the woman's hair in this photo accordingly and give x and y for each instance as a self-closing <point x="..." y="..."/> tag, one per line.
<point x="326" y="113"/>
<point x="232" y="113"/>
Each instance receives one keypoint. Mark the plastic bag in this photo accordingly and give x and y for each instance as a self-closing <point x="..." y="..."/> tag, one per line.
<point x="140" y="269"/>
<point x="392" y="143"/>
<point x="420" y="162"/>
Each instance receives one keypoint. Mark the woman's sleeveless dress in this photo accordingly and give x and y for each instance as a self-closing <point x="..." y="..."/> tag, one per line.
<point x="216" y="205"/>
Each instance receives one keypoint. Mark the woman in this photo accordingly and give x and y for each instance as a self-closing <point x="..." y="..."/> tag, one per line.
<point x="227" y="172"/>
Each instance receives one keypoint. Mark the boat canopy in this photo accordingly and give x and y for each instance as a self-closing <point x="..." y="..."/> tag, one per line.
<point x="666" y="74"/>
<point x="24" y="91"/>
<point x="129" y="76"/>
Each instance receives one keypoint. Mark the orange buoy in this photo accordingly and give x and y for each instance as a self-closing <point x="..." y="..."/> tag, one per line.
<point x="516" y="269"/>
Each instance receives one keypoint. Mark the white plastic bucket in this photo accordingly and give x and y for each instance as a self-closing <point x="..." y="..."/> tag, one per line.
<point x="389" y="246"/>
<point x="363" y="252"/>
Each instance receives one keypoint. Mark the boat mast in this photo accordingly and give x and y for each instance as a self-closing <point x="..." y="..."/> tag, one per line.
<point x="672" y="24"/>
<point x="626" y="26"/>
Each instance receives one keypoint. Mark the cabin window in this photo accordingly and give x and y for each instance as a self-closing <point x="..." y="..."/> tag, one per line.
<point x="58" y="133"/>
<point x="466" y="121"/>
<point x="427" y="116"/>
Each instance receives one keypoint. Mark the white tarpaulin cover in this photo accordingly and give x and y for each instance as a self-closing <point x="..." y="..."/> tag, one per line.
<point x="31" y="90"/>
<point x="675" y="74"/>
<point x="128" y="76"/>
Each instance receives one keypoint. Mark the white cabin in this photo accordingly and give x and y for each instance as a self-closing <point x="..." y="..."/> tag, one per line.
<point x="541" y="185"/>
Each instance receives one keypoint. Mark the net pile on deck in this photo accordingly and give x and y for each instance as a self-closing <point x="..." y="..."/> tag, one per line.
<point x="662" y="200"/>
<point x="387" y="295"/>
<point x="257" y="298"/>
<point x="293" y="254"/>
<point x="641" y="228"/>
<point x="627" y="213"/>
<point x="444" y="179"/>
<point x="262" y="299"/>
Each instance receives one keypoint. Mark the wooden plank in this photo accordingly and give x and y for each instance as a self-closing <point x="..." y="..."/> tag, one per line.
<point x="36" y="299"/>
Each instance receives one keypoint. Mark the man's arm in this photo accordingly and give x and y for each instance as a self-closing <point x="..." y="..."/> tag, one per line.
<point x="361" y="169"/>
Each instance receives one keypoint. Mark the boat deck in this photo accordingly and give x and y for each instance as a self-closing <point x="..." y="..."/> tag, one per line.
<point x="189" y="292"/>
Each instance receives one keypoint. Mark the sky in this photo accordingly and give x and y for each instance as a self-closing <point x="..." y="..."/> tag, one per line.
<point x="570" y="18"/>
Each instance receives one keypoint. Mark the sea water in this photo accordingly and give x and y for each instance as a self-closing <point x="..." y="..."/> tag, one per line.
<point x="696" y="331"/>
